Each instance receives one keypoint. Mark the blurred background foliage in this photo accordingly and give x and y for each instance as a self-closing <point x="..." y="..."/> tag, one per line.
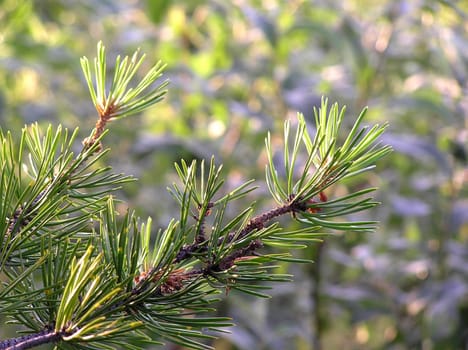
<point x="240" y="68"/>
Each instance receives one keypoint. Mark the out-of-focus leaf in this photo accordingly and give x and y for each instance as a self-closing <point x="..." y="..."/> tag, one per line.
<point x="458" y="256"/>
<point x="422" y="150"/>
<point x="148" y="144"/>
<point x="459" y="216"/>
<point x="157" y="9"/>
<point x="261" y="21"/>
<point x="302" y="100"/>
<point x="443" y="310"/>
<point x="406" y="206"/>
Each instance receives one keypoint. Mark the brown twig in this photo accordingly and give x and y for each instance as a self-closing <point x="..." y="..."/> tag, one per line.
<point x="105" y="116"/>
<point x="29" y="341"/>
<point x="255" y="224"/>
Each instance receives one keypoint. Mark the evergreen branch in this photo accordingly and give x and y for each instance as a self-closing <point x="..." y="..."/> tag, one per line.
<point x="230" y="259"/>
<point x="111" y="283"/>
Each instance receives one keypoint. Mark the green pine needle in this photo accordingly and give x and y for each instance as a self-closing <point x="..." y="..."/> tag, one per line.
<point x="121" y="100"/>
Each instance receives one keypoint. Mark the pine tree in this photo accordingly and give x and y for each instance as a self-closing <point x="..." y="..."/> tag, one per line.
<point x="77" y="275"/>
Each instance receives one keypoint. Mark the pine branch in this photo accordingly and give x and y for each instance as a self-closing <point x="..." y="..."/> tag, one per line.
<point x="32" y="340"/>
<point x="87" y="286"/>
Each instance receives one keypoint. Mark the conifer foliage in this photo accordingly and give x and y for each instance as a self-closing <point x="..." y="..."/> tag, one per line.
<point x="76" y="274"/>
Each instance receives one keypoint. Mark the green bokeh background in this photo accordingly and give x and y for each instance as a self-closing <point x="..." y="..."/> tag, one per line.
<point x="240" y="68"/>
